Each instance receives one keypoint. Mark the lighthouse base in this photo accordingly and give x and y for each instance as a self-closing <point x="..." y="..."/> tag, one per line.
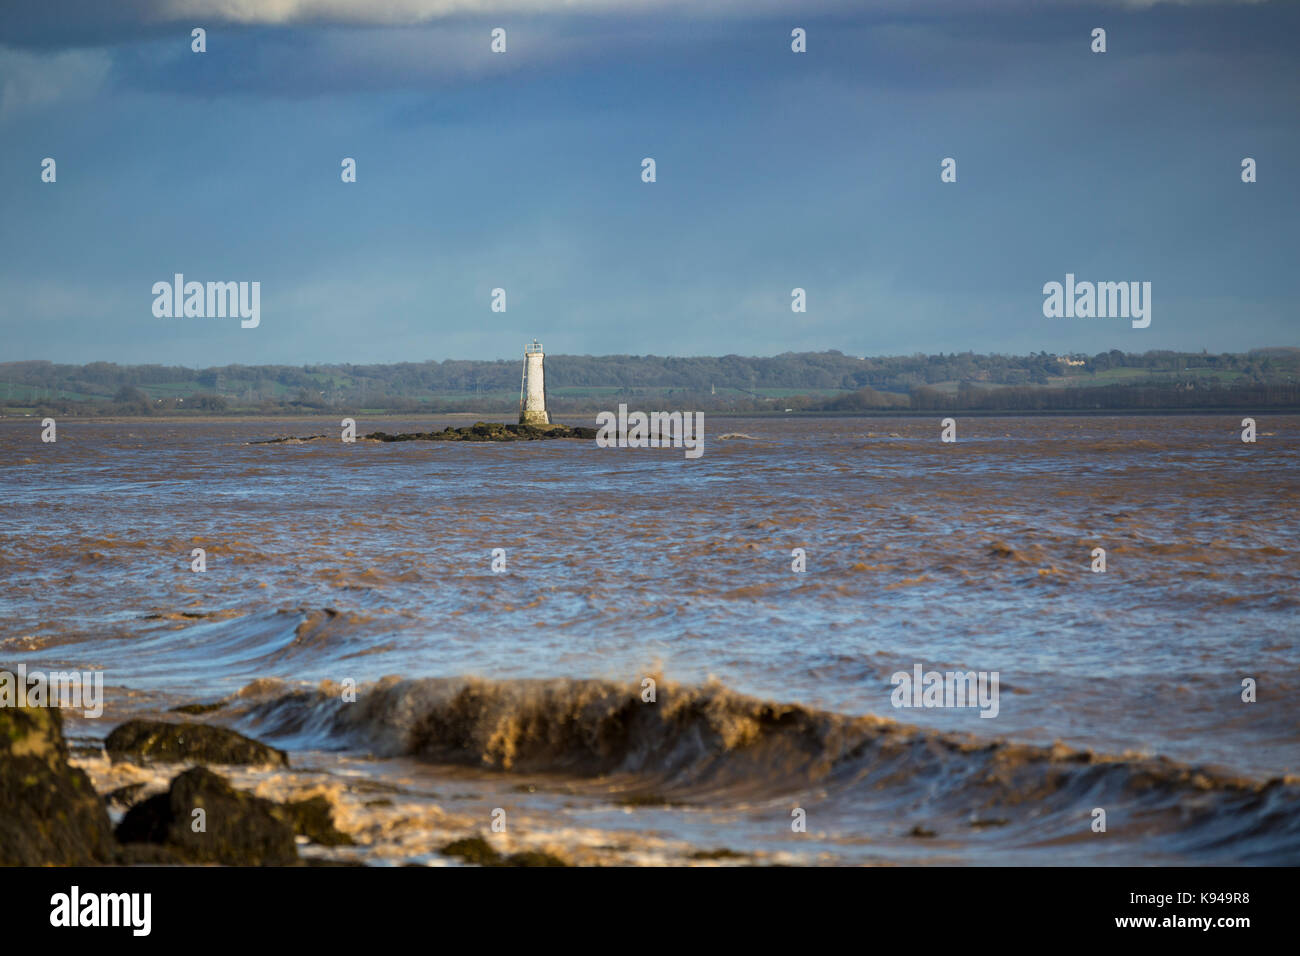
<point x="534" y="417"/>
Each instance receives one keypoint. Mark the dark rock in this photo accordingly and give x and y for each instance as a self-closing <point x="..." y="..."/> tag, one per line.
<point x="479" y="431"/>
<point x="239" y="828"/>
<point x="287" y="438"/>
<point x="491" y="431"/>
<point x="473" y="850"/>
<point x="49" y="811"/>
<point x="478" y="850"/>
<point x="313" y="819"/>
<point x="532" y="858"/>
<point x="194" y="710"/>
<point x="148" y="854"/>
<point x="123" y="796"/>
<point x="318" y="862"/>
<point x="163" y="742"/>
<point x="720" y="854"/>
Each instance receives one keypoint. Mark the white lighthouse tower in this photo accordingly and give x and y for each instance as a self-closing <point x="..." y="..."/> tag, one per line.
<point x="532" y="388"/>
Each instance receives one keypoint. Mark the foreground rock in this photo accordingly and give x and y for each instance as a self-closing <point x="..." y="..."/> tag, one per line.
<point x="477" y="850"/>
<point x="479" y="431"/>
<point x="234" y="828"/>
<point x="49" y="811"/>
<point x="50" y="814"/>
<point x="313" y="819"/>
<point x="194" y="710"/>
<point x="166" y="742"/>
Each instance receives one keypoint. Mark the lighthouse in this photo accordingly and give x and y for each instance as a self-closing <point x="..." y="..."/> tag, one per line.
<point x="532" y="388"/>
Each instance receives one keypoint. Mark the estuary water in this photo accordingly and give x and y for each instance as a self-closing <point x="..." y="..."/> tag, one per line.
<point x="524" y="689"/>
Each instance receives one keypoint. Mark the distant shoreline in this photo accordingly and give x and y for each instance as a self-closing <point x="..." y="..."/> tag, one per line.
<point x="227" y="418"/>
<point x="808" y="383"/>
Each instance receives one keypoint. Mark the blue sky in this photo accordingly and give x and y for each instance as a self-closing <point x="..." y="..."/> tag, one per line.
<point x="522" y="171"/>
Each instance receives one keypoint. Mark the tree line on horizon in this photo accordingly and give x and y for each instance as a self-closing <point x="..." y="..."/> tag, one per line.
<point x="828" y="381"/>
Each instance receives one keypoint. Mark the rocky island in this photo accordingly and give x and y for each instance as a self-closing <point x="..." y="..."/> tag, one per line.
<point x="479" y="431"/>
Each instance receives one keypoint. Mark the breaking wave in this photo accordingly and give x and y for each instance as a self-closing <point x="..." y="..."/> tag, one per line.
<point x="710" y="745"/>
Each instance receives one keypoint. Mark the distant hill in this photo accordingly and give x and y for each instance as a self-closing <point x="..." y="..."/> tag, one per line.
<point x="814" y="381"/>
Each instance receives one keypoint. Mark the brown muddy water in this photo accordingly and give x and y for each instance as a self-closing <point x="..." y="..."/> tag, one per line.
<point x="522" y="691"/>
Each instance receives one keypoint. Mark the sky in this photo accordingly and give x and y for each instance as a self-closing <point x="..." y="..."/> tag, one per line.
<point x="522" y="170"/>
